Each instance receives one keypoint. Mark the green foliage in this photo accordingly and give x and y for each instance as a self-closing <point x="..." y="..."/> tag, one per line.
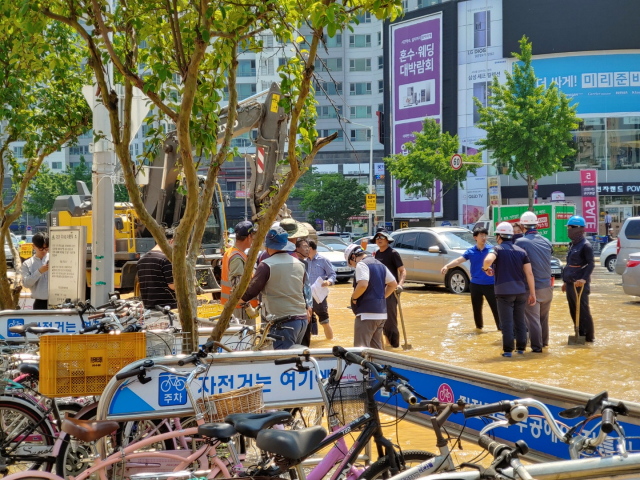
<point x="528" y="126"/>
<point x="331" y="197"/>
<point x="428" y="160"/>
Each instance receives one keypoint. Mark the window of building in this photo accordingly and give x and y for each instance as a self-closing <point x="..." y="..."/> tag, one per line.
<point x="359" y="64"/>
<point x="335" y="41"/>
<point x="56" y="165"/>
<point x="362" y="18"/>
<point x="87" y="134"/>
<point x="380" y="86"/>
<point x="18" y="152"/>
<point x="380" y="62"/>
<point x="246" y="68"/>
<point x="243" y="47"/>
<point x="145" y="130"/>
<point x="326" y="132"/>
<point x="328" y="64"/>
<point x="379" y="38"/>
<point x="329" y="111"/>
<point x="360" y="88"/>
<point x="267" y="41"/>
<point x="405" y="5"/>
<point x="363" y="111"/>
<point x="381" y="107"/>
<point x="282" y="61"/>
<point x="360" y="135"/>
<point x="359" y="41"/>
<point x="331" y="88"/>
<point x="245" y="90"/>
<point x="79" y="150"/>
<point x="266" y="66"/>
<point x="240" y="141"/>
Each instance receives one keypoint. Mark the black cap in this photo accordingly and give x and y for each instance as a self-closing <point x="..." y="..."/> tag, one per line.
<point x="244" y="228"/>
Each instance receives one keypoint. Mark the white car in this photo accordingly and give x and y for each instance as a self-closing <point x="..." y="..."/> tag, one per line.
<point x="608" y="256"/>
<point x="336" y="257"/>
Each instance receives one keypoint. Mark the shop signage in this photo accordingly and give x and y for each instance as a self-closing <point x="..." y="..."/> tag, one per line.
<point x="494" y="190"/>
<point x="557" y="197"/>
<point x="619" y="188"/>
<point x="589" y="186"/>
<point x="371" y="202"/>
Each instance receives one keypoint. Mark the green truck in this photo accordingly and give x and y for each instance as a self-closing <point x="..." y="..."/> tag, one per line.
<point x="552" y="218"/>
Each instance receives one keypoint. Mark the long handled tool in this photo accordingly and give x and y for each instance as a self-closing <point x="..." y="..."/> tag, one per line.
<point x="577" y="339"/>
<point x="406" y="345"/>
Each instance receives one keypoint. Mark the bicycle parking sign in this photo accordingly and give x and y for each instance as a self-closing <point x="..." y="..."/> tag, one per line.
<point x="14" y="322"/>
<point x="172" y="390"/>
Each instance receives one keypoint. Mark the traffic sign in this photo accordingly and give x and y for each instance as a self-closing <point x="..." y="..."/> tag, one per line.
<point x="404" y="224"/>
<point x="456" y="162"/>
<point x="371" y="203"/>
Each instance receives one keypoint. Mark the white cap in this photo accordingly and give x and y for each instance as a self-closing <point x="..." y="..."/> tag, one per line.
<point x="505" y="228"/>
<point x="350" y="250"/>
<point x="529" y="218"/>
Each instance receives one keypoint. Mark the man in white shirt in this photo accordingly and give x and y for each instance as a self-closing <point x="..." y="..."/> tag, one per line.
<point x="373" y="284"/>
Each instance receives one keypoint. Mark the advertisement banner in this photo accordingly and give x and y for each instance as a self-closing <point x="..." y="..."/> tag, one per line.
<point x="416" y="86"/>
<point x="597" y="83"/>
<point x="473" y="197"/>
<point x="589" y="187"/>
<point x="495" y="196"/>
<point x="552" y="218"/>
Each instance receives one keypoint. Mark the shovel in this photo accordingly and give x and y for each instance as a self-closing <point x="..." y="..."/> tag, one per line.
<point x="406" y="345"/>
<point x="577" y="339"/>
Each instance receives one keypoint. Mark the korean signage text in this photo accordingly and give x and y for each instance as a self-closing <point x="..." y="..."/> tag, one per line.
<point x="589" y="186"/>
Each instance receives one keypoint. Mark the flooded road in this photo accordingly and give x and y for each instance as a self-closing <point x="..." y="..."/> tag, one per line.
<point x="440" y="327"/>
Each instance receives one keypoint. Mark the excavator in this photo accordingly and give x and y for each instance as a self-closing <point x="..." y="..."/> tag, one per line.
<point x="163" y="198"/>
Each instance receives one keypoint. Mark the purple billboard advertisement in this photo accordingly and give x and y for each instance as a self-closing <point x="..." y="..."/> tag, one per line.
<point x="416" y="80"/>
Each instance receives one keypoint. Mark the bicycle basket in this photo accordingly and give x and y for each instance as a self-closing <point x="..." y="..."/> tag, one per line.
<point x="160" y="343"/>
<point x="243" y="400"/>
<point x="348" y="400"/>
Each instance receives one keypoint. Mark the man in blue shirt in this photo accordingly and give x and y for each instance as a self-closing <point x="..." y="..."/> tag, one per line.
<point x="539" y="251"/>
<point x="481" y="284"/>
<point x="512" y="269"/>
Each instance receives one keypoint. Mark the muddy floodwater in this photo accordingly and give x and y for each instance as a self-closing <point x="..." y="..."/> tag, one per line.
<point x="440" y="327"/>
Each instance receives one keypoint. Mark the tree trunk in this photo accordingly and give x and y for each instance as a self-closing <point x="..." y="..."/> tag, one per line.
<point x="185" y="290"/>
<point x="531" y="182"/>
<point x="433" y="212"/>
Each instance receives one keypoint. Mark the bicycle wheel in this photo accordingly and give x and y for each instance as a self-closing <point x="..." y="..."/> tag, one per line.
<point x="17" y="414"/>
<point x="380" y="468"/>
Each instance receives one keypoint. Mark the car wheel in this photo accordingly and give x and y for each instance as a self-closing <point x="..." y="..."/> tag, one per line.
<point x="610" y="263"/>
<point x="457" y="281"/>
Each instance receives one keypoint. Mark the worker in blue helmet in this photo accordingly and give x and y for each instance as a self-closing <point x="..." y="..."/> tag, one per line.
<point x="577" y="276"/>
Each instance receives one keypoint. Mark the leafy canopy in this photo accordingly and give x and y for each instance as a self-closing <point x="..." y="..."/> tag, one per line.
<point x="528" y="126"/>
<point x="331" y="197"/>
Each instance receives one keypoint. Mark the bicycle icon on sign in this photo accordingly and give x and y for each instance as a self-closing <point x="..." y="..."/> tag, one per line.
<point x="172" y="383"/>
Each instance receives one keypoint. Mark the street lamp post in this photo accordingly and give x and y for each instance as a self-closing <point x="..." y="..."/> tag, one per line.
<point x="346" y="120"/>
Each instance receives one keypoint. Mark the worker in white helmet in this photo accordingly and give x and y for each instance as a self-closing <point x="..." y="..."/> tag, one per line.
<point x="539" y="250"/>
<point x="512" y="269"/>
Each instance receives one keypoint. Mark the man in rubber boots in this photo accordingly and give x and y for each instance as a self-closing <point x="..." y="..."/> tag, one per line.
<point x="233" y="263"/>
<point x="373" y="284"/>
<point x="577" y="275"/>
<point x="512" y="269"/>
<point x="280" y="278"/>
<point x="390" y="259"/>
<point x="539" y="251"/>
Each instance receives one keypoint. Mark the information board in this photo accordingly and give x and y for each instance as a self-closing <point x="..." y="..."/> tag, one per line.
<point x="67" y="264"/>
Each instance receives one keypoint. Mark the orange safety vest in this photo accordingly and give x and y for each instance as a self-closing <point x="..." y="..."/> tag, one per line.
<point x="225" y="282"/>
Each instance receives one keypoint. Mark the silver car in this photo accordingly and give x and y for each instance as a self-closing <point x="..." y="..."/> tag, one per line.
<point x="425" y="250"/>
<point x="631" y="275"/>
<point x="7" y="251"/>
<point x="628" y="242"/>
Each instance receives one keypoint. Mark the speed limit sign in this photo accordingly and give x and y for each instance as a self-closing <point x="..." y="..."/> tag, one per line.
<point x="456" y="162"/>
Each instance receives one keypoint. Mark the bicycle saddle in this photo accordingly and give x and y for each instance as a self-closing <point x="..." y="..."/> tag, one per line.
<point x="250" y="424"/>
<point x="220" y="431"/>
<point x="42" y="330"/>
<point x="32" y="369"/>
<point x="88" y="431"/>
<point x="291" y="444"/>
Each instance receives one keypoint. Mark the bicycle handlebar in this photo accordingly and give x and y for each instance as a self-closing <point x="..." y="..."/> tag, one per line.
<point x="407" y="395"/>
<point x="130" y="373"/>
<point x="503" y="406"/>
<point x="608" y="420"/>
<point x="284" y="361"/>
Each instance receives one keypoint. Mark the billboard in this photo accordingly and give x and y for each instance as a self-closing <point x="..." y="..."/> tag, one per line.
<point x="416" y="93"/>
<point x="597" y="83"/>
<point x="589" y="187"/>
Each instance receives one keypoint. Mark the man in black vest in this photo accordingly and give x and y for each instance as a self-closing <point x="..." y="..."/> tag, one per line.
<point x="373" y="284"/>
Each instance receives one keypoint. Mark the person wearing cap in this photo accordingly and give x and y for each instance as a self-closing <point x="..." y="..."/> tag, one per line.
<point x="280" y="279"/>
<point x="233" y="263"/>
<point x="512" y="269"/>
<point x="374" y="283"/>
<point x="320" y="267"/>
<point x="390" y="258"/>
<point x="539" y="251"/>
<point x="577" y="275"/>
<point x="481" y="285"/>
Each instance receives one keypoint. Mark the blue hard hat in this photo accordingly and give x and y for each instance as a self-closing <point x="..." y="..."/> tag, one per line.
<point x="576" y="220"/>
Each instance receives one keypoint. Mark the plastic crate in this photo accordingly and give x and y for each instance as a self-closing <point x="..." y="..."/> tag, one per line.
<point x="209" y="310"/>
<point x="79" y="365"/>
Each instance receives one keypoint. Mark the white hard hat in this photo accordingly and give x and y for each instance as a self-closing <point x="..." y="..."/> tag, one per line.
<point x="529" y="218"/>
<point x="505" y="228"/>
<point x="351" y="250"/>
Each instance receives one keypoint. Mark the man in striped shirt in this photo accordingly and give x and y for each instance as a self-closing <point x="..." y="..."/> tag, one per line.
<point x="320" y="267"/>
<point x="155" y="277"/>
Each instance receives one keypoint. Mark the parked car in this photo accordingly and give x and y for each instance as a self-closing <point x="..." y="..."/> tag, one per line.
<point x="631" y="275"/>
<point x="628" y="242"/>
<point x="331" y="238"/>
<point x="7" y="250"/>
<point x="608" y="256"/>
<point x="556" y="267"/>
<point x="336" y="257"/>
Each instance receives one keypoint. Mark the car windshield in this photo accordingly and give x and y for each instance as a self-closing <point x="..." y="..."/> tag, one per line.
<point x="338" y="247"/>
<point x="324" y="248"/>
<point x="458" y="240"/>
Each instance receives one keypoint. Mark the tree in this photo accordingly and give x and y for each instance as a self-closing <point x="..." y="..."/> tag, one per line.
<point x="41" y="104"/>
<point x="427" y="161"/>
<point x="188" y="57"/>
<point x="332" y="197"/>
<point x="528" y="125"/>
